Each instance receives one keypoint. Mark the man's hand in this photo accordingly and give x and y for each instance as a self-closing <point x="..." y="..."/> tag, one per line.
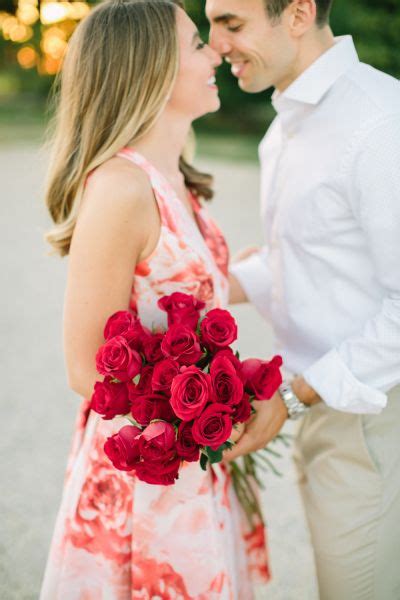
<point x="262" y="427"/>
<point x="245" y="253"/>
<point x="237" y="295"/>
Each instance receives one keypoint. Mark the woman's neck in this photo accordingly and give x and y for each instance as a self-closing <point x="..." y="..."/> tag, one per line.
<point x="163" y="145"/>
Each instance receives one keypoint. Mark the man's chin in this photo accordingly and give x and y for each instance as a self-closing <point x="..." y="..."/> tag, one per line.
<point x="253" y="87"/>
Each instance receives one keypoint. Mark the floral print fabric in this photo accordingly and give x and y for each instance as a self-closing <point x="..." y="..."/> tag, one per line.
<point x="117" y="538"/>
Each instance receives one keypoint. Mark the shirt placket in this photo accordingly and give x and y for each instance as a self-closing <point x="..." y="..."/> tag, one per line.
<point x="277" y="202"/>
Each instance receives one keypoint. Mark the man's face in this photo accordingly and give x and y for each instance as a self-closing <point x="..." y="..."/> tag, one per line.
<point x="262" y="52"/>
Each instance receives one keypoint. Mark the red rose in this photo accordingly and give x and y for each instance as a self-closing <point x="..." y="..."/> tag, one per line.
<point x="190" y="392"/>
<point x="118" y="324"/>
<point x="163" y="375"/>
<point x="242" y="411"/>
<point x="227" y="386"/>
<point x="152" y="347"/>
<point x="214" y="426"/>
<point x="137" y="335"/>
<point x="125" y="324"/>
<point x="110" y="399"/>
<point x="186" y="447"/>
<point x="228" y="353"/>
<point x="158" y="442"/>
<point x="218" y="329"/>
<point x="159" y="472"/>
<point x="144" y="385"/>
<point x="146" y="408"/>
<point x="116" y="359"/>
<point x="181" y="344"/>
<point x="262" y="378"/>
<point x="123" y="448"/>
<point x="182" y="309"/>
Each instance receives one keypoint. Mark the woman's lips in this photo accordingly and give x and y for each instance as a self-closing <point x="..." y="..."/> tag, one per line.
<point x="212" y="83"/>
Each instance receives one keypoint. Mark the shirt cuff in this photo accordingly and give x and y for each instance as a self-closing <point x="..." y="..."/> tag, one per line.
<point x="336" y="385"/>
<point x="254" y="277"/>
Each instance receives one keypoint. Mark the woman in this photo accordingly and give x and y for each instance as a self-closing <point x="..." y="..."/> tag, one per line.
<point x="126" y="209"/>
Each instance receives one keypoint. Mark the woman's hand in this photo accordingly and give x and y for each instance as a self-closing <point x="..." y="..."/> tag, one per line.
<point x="262" y="427"/>
<point x="237" y="432"/>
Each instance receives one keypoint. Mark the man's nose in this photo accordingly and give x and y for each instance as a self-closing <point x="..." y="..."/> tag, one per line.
<point x="219" y="43"/>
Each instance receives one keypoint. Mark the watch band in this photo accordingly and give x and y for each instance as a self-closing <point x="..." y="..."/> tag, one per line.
<point x="296" y="409"/>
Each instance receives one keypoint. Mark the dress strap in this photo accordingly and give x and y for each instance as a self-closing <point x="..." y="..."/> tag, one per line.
<point x="195" y="202"/>
<point x="139" y="160"/>
<point x="158" y="184"/>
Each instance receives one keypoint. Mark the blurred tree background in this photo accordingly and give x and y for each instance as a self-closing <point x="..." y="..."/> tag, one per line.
<point x="34" y="36"/>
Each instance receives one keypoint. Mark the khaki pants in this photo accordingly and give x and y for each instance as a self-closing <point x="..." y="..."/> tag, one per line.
<point x="350" y="482"/>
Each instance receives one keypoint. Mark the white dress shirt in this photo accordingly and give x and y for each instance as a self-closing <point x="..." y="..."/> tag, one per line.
<point x="328" y="278"/>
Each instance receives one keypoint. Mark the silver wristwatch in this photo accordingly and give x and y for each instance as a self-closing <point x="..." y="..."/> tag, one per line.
<point x="296" y="408"/>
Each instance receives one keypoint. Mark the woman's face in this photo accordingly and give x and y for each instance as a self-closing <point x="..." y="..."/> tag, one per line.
<point x="195" y="93"/>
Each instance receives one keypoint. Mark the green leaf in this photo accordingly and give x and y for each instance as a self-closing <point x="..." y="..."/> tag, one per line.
<point x="215" y="456"/>
<point x="203" y="461"/>
<point x="237" y="354"/>
<point x="228" y="445"/>
<point x="198" y="328"/>
<point x="136" y="379"/>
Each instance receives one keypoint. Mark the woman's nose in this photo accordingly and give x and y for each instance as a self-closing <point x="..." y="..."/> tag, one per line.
<point x="215" y="57"/>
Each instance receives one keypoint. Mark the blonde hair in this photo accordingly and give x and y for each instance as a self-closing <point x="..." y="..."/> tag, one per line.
<point x="120" y="67"/>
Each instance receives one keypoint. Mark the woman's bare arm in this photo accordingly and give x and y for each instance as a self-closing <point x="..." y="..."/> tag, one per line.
<point x="118" y="225"/>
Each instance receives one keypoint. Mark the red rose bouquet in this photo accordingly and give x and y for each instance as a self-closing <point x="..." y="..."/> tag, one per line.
<point x="184" y="391"/>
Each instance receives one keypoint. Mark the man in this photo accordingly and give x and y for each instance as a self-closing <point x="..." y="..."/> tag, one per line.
<point x="328" y="278"/>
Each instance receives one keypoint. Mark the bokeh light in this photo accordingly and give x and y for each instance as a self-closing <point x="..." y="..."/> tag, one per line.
<point x="47" y="27"/>
<point x="54" y="12"/>
<point x="27" y="57"/>
<point x="28" y="12"/>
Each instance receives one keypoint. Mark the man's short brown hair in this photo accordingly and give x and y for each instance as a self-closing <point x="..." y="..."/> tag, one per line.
<point x="276" y="7"/>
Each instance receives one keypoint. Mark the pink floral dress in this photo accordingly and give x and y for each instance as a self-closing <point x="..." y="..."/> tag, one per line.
<point x="117" y="538"/>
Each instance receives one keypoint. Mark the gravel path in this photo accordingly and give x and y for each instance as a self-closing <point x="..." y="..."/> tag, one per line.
<point x="38" y="409"/>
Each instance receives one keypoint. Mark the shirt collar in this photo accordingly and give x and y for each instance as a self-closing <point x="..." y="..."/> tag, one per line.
<point x="312" y="85"/>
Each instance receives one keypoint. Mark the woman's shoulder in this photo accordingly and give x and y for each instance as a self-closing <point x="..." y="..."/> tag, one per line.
<point x="116" y="210"/>
<point x="118" y="199"/>
<point x="120" y="183"/>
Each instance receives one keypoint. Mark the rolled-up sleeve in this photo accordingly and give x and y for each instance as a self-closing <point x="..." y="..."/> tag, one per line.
<point x="254" y="276"/>
<point x="356" y="375"/>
